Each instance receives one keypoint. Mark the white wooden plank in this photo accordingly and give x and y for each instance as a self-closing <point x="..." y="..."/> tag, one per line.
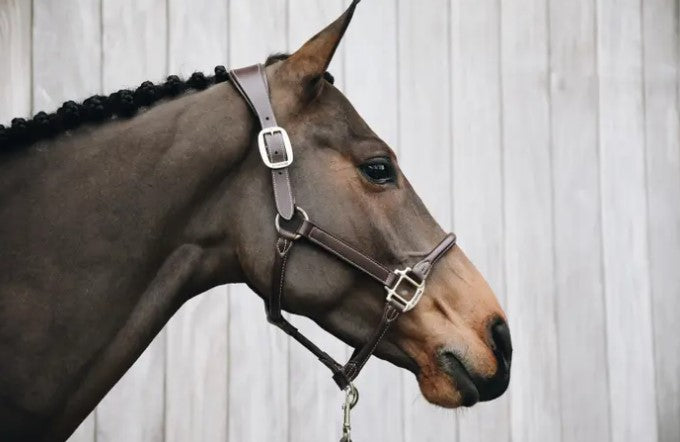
<point x="477" y="196"/>
<point x="370" y="83"/>
<point x="425" y="157"/>
<point x="535" y="413"/>
<point x="134" y="50"/>
<point x="578" y="239"/>
<point x="15" y="70"/>
<point x="314" y="402"/>
<point x="625" y="246"/>
<point x="662" y="136"/>
<point x="258" y="377"/>
<point x="197" y="357"/>
<point x="66" y="66"/>
<point x="134" y="42"/>
<point x="66" y="52"/>
<point x="197" y="35"/>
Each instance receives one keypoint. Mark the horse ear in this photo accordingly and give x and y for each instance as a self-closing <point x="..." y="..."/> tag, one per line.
<point x="307" y="65"/>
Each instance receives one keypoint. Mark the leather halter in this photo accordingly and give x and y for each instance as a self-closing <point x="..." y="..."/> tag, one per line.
<point x="404" y="287"/>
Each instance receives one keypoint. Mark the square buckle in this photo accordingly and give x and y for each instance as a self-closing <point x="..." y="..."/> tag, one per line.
<point x="397" y="299"/>
<point x="286" y="146"/>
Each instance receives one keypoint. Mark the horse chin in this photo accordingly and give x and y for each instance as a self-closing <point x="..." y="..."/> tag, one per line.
<point x="448" y="388"/>
<point x="448" y="385"/>
<point x="444" y="380"/>
<point x="445" y="383"/>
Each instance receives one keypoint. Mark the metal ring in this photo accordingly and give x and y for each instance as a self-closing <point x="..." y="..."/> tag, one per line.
<point x="285" y="233"/>
<point x="352" y="395"/>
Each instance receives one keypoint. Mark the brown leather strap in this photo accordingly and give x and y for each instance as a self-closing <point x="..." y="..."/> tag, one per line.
<point x="251" y="82"/>
<point x="422" y="268"/>
<point x="273" y="304"/>
<point x="342" y="375"/>
<point x="362" y="354"/>
<point x="300" y="227"/>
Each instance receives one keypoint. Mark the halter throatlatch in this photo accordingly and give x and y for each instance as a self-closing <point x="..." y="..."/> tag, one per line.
<point x="404" y="287"/>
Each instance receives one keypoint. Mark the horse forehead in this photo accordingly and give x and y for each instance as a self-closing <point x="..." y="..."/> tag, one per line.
<point x="335" y="120"/>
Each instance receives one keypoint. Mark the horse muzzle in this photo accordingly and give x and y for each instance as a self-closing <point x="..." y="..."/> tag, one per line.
<point x="471" y="386"/>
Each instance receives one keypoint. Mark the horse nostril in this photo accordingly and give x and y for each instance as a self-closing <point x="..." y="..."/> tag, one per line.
<point x="500" y="336"/>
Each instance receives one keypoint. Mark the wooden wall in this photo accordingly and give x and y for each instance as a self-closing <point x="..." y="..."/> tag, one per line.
<point x="545" y="132"/>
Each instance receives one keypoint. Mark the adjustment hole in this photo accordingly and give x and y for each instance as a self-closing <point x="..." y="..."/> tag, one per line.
<point x="266" y="118"/>
<point x="276" y="151"/>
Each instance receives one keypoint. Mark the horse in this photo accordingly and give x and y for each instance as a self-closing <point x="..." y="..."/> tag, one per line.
<point x="116" y="211"/>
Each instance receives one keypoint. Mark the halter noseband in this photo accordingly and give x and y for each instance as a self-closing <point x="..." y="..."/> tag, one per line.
<point x="404" y="287"/>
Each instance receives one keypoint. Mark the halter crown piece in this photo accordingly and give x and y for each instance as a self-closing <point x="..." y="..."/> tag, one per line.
<point x="404" y="287"/>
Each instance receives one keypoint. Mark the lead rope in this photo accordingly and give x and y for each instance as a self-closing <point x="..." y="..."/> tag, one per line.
<point x="351" y="399"/>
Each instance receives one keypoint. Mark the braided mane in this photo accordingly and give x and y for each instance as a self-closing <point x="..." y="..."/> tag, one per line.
<point x="122" y="104"/>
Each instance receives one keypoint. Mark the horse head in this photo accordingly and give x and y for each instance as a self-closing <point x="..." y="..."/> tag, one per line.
<point x="456" y="340"/>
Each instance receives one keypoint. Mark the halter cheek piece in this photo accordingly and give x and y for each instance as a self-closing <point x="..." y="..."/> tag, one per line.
<point x="404" y="287"/>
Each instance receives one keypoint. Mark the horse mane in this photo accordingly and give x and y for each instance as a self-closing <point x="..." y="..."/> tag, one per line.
<point x="124" y="103"/>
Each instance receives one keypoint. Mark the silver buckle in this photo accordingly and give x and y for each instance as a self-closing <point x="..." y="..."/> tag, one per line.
<point x="286" y="145"/>
<point x="399" y="301"/>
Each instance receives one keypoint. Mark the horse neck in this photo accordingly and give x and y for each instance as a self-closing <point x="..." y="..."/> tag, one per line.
<point x="123" y="192"/>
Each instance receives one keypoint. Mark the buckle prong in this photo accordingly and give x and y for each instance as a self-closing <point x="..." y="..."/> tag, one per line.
<point x="262" y="145"/>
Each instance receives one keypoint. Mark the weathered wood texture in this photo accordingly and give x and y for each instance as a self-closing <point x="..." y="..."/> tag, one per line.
<point x="661" y="64"/>
<point x="630" y="346"/>
<point x="15" y="69"/>
<point x="545" y="132"/>
<point x="529" y="236"/>
<point x="577" y="224"/>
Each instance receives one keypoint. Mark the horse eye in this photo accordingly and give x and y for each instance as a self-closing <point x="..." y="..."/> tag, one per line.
<point x="379" y="170"/>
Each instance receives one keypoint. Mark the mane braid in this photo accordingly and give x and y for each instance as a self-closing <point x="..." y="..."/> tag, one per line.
<point x="122" y="104"/>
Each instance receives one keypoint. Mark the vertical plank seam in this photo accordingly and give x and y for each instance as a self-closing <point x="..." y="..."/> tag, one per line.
<point x="598" y="134"/>
<point x="677" y="63"/>
<point x="168" y="16"/>
<point x="31" y="105"/>
<point x="397" y="32"/>
<point x="101" y="46"/>
<point x="501" y="148"/>
<point x="603" y="278"/>
<point x="648" y="252"/>
<point x="551" y="165"/>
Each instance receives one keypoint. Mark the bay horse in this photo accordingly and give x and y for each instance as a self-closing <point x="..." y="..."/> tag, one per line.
<point x="116" y="211"/>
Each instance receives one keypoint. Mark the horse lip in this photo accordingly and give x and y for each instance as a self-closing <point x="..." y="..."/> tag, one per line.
<point x="450" y="364"/>
<point x="397" y="356"/>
